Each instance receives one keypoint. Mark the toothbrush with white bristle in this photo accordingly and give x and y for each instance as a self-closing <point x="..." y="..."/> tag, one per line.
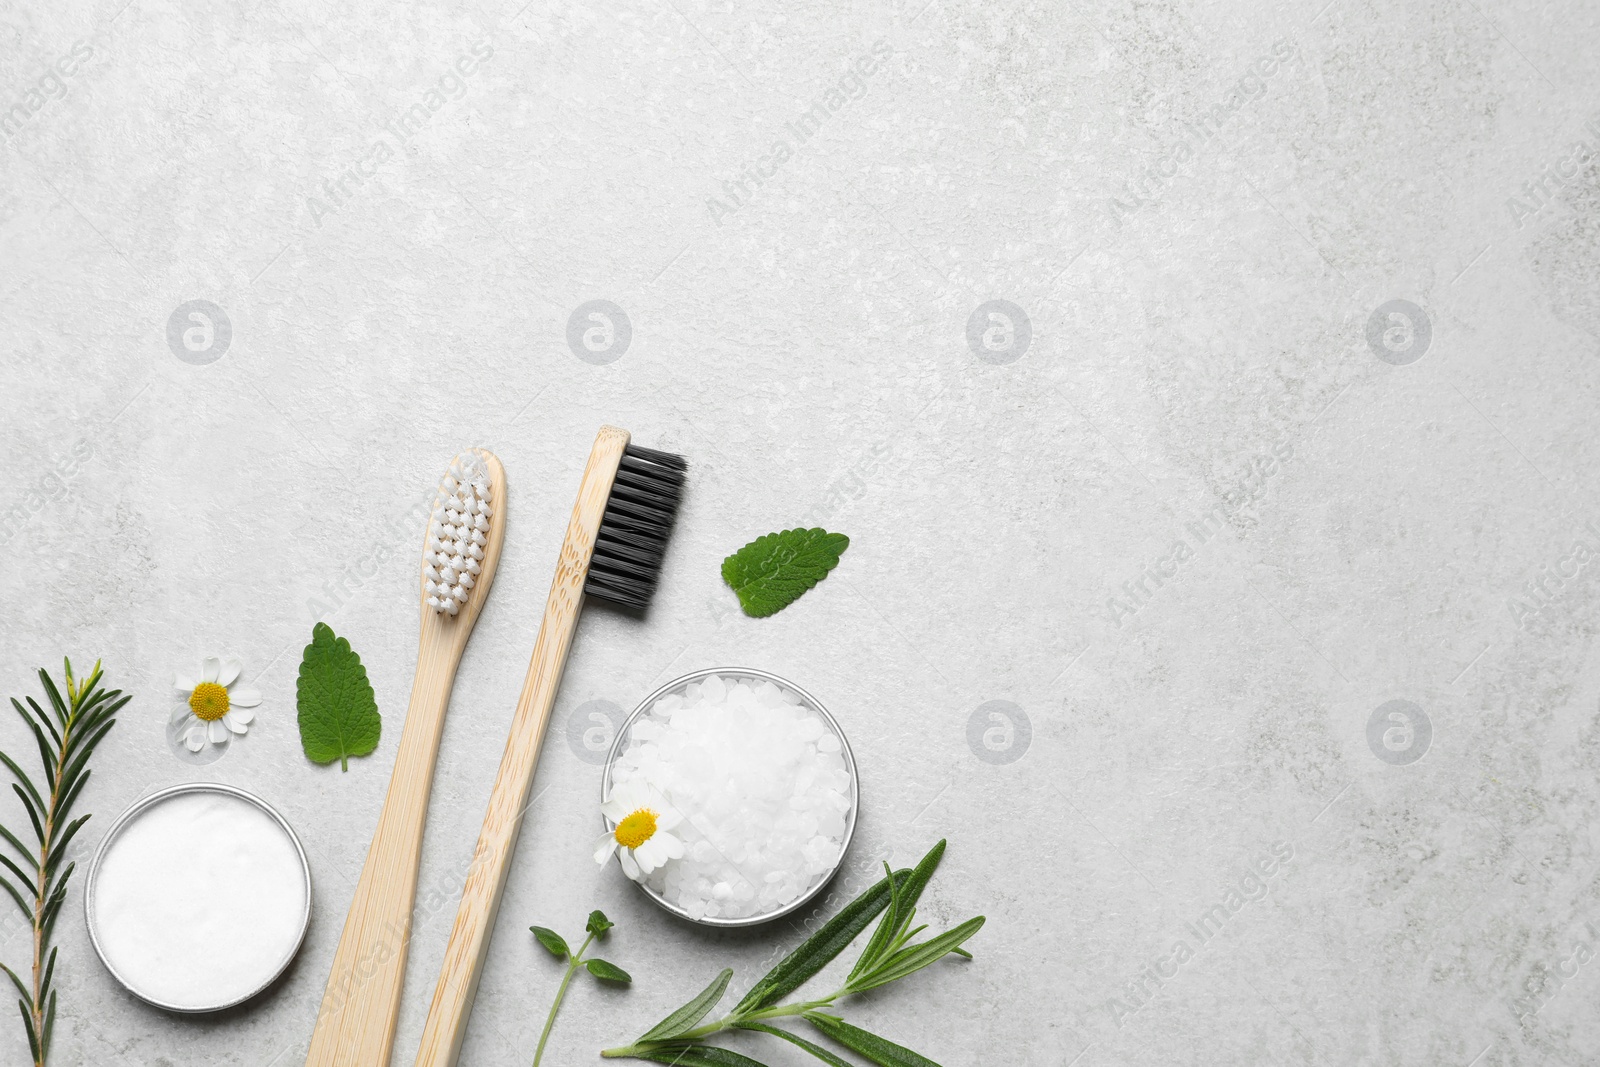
<point x="362" y="1002"/>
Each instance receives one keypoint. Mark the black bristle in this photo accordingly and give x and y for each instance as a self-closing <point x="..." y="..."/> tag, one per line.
<point x="634" y="529"/>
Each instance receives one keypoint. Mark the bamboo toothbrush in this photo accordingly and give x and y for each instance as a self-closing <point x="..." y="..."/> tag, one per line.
<point x="465" y="532"/>
<point x="613" y="550"/>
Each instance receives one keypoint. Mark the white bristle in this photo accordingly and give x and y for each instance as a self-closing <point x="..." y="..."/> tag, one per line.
<point x="458" y="534"/>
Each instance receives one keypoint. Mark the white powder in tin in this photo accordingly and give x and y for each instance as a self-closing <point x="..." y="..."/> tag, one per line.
<point x="200" y="900"/>
<point x="762" y="786"/>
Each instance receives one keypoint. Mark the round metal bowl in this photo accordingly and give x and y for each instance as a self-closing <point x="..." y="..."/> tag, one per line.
<point x="620" y="743"/>
<point x="133" y="812"/>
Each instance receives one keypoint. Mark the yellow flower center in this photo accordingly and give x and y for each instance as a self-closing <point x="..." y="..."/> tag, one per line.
<point x="209" y="701"/>
<point x="636" y="829"/>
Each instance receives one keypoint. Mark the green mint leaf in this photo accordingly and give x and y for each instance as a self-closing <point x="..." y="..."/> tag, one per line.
<point x="598" y="924"/>
<point x="685" y="1018"/>
<point x="772" y="572"/>
<point x="881" y="1051"/>
<point x="609" y="971"/>
<point x="552" y="941"/>
<point x="799" y="966"/>
<point x="338" y="714"/>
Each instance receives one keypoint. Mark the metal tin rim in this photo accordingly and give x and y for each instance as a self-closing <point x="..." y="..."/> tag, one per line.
<point x="850" y="763"/>
<point x="133" y="811"/>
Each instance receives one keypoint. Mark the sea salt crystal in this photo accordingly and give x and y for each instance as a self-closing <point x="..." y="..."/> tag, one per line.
<point x="762" y="786"/>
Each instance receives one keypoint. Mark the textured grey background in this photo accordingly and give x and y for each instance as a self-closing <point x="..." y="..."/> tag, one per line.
<point x="1199" y="232"/>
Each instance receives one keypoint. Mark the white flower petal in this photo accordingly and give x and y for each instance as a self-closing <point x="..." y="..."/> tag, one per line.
<point x="182" y="712"/>
<point x="671" y="847"/>
<point x="244" y="697"/>
<point x="216" y="733"/>
<point x="194" y="740"/>
<point x="241" y="715"/>
<point x="667" y="818"/>
<point x="648" y="855"/>
<point x="210" y="667"/>
<point x="183" y="683"/>
<point x="230" y="670"/>
<point x="629" y="867"/>
<point x="631" y="796"/>
<point x="615" y="810"/>
<point x="231" y="721"/>
<point x="604" y="847"/>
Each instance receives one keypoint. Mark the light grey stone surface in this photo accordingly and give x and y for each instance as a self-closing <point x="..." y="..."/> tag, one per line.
<point x="1201" y="210"/>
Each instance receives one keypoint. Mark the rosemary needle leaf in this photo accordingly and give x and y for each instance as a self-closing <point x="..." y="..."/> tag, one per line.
<point x="816" y="1050"/>
<point x="21" y="849"/>
<point x="881" y="1051"/>
<point x="23" y="779"/>
<point x="799" y="966"/>
<point x="905" y="903"/>
<point x="913" y="958"/>
<point x="22" y="879"/>
<point x="685" y="1018"/>
<point x="33" y="1038"/>
<point x="700" y="1056"/>
<point x="15" y="980"/>
<point x="16" y="896"/>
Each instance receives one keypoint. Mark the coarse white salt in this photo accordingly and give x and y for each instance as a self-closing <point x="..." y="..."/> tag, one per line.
<point x="761" y="782"/>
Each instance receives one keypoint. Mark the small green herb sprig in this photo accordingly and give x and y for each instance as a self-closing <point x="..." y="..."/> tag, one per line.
<point x="597" y="926"/>
<point x="67" y="735"/>
<point x="889" y="956"/>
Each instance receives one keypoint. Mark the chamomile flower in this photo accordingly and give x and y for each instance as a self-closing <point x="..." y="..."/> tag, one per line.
<point x="644" y="819"/>
<point x="216" y="708"/>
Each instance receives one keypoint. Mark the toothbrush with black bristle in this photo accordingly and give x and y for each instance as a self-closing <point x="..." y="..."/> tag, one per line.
<point x="466" y="529"/>
<point x="615" y="543"/>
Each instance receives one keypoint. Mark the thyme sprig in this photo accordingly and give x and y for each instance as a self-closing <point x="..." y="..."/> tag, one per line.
<point x="33" y="878"/>
<point x="596" y="927"/>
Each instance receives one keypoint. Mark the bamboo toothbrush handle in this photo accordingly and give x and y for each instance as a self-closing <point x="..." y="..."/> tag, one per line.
<point x="362" y="1002"/>
<point x="359" y="1009"/>
<point x="480" y="898"/>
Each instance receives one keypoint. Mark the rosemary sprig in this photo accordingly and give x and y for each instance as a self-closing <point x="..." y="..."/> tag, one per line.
<point x="890" y="954"/>
<point x="67" y="735"/>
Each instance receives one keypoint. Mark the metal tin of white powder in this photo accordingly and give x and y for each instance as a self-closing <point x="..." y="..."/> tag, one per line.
<point x="198" y="897"/>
